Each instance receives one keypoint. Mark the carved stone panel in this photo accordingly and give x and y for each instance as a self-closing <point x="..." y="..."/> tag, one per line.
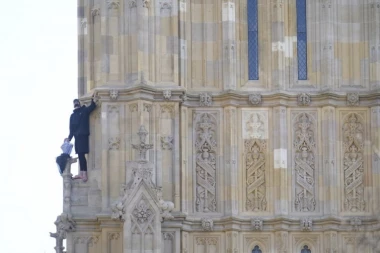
<point x="304" y="155"/>
<point x="206" y="153"/>
<point x="255" y="175"/>
<point x="352" y="136"/>
<point x="255" y="161"/>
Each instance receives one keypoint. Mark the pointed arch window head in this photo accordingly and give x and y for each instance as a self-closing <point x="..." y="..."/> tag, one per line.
<point x="256" y="249"/>
<point x="301" y="39"/>
<point x="253" y="40"/>
<point x="305" y="249"/>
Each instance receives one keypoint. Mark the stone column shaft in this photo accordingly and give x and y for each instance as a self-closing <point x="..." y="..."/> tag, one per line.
<point x="280" y="148"/>
<point x="230" y="157"/>
<point x="229" y="45"/>
<point x="375" y="138"/>
<point x="330" y="170"/>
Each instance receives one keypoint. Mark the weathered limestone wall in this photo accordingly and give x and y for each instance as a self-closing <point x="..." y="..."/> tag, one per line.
<point x="230" y="163"/>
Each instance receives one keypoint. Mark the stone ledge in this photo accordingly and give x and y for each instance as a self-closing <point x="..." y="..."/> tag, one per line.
<point x="231" y="98"/>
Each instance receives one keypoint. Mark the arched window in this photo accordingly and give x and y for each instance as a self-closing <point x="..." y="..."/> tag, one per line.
<point x="256" y="249"/>
<point x="305" y="249"/>
<point x="253" y="40"/>
<point x="301" y="39"/>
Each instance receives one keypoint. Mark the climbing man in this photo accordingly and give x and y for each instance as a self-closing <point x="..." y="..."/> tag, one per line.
<point x="80" y="129"/>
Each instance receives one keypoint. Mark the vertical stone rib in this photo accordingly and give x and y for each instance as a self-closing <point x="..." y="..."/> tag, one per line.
<point x="278" y="47"/>
<point x="329" y="160"/>
<point x="280" y="146"/>
<point x="229" y="45"/>
<point x="327" y="64"/>
<point x="375" y="152"/>
<point x="230" y="156"/>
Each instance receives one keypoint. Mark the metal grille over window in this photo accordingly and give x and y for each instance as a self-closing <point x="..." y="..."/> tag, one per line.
<point x="301" y="40"/>
<point x="256" y="249"/>
<point x="253" y="42"/>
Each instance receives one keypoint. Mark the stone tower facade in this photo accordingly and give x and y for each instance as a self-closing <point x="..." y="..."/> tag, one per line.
<point x="227" y="126"/>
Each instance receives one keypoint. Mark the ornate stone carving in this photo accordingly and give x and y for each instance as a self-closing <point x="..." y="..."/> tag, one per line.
<point x="304" y="162"/>
<point x="114" y="94"/>
<point x="168" y="236"/>
<point x="355" y="223"/>
<point x="167" y="94"/>
<point x="133" y="107"/>
<point x="142" y="171"/>
<point x="255" y="125"/>
<point x="113" y="4"/>
<point x="95" y="11"/>
<point x="147" y="107"/>
<point x="165" y="5"/>
<point x="303" y="99"/>
<point x="132" y="4"/>
<point x="353" y="159"/>
<point x="207" y="224"/>
<point x="83" y="23"/>
<point x="206" y="241"/>
<point x="255" y="99"/>
<point x="167" y="142"/>
<point x="89" y="240"/>
<point x="205" y="99"/>
<point x="205" y="146"/>
<point x="184" y="97"/>
<point x="166" y="207"/>
<point x="64" y="224"/>
<point x="113" y="143"/>
<point x="326" y="3"/>
<point x="255" y="175"/>
<point x="142" y="213"/>
<point x="282" y="242"/>
<point x="113" y="236"/>
<point x="352" y="99"/>
<point x="257" y="224"/>
<point x="142" y="147"/>
<point x="306" y="224"/>
<point x="145" y="3"/>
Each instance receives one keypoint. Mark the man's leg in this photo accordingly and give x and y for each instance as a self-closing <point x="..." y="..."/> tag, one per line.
<point x="83" y="166"/>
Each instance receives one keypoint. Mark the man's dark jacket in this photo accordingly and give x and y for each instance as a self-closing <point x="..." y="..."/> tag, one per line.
<point x="79" y="121"/>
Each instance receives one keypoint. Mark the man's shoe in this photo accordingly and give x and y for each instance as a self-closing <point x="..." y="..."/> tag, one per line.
<point x="84" y="176"/>
<point x="79" y="176"/>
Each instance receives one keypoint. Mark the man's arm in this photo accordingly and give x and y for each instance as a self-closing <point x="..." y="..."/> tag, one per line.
<point x="71" y="134"/>
<point x="91" y="107"/>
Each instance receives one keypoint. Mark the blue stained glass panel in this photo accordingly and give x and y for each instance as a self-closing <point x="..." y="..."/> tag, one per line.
<point x="305" y="249"/>
<point x="301" y="39"/>
<point x="256" y="250"/>
<point x="253" y="41"/>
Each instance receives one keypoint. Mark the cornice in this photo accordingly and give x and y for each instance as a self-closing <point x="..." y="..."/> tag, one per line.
<point x="231" y="97"/>
<point x="244" y="224"/>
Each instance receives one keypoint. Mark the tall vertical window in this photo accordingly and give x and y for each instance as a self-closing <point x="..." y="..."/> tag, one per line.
<point x="256" y="249"/>
<point x="301" y="40"/>
<point x="253" y="42"/>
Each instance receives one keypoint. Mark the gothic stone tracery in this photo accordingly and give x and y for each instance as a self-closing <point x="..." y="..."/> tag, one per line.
<point x="206" y="154"/>
<point x="353" y="145"/>
<point x="304" y="162"/>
